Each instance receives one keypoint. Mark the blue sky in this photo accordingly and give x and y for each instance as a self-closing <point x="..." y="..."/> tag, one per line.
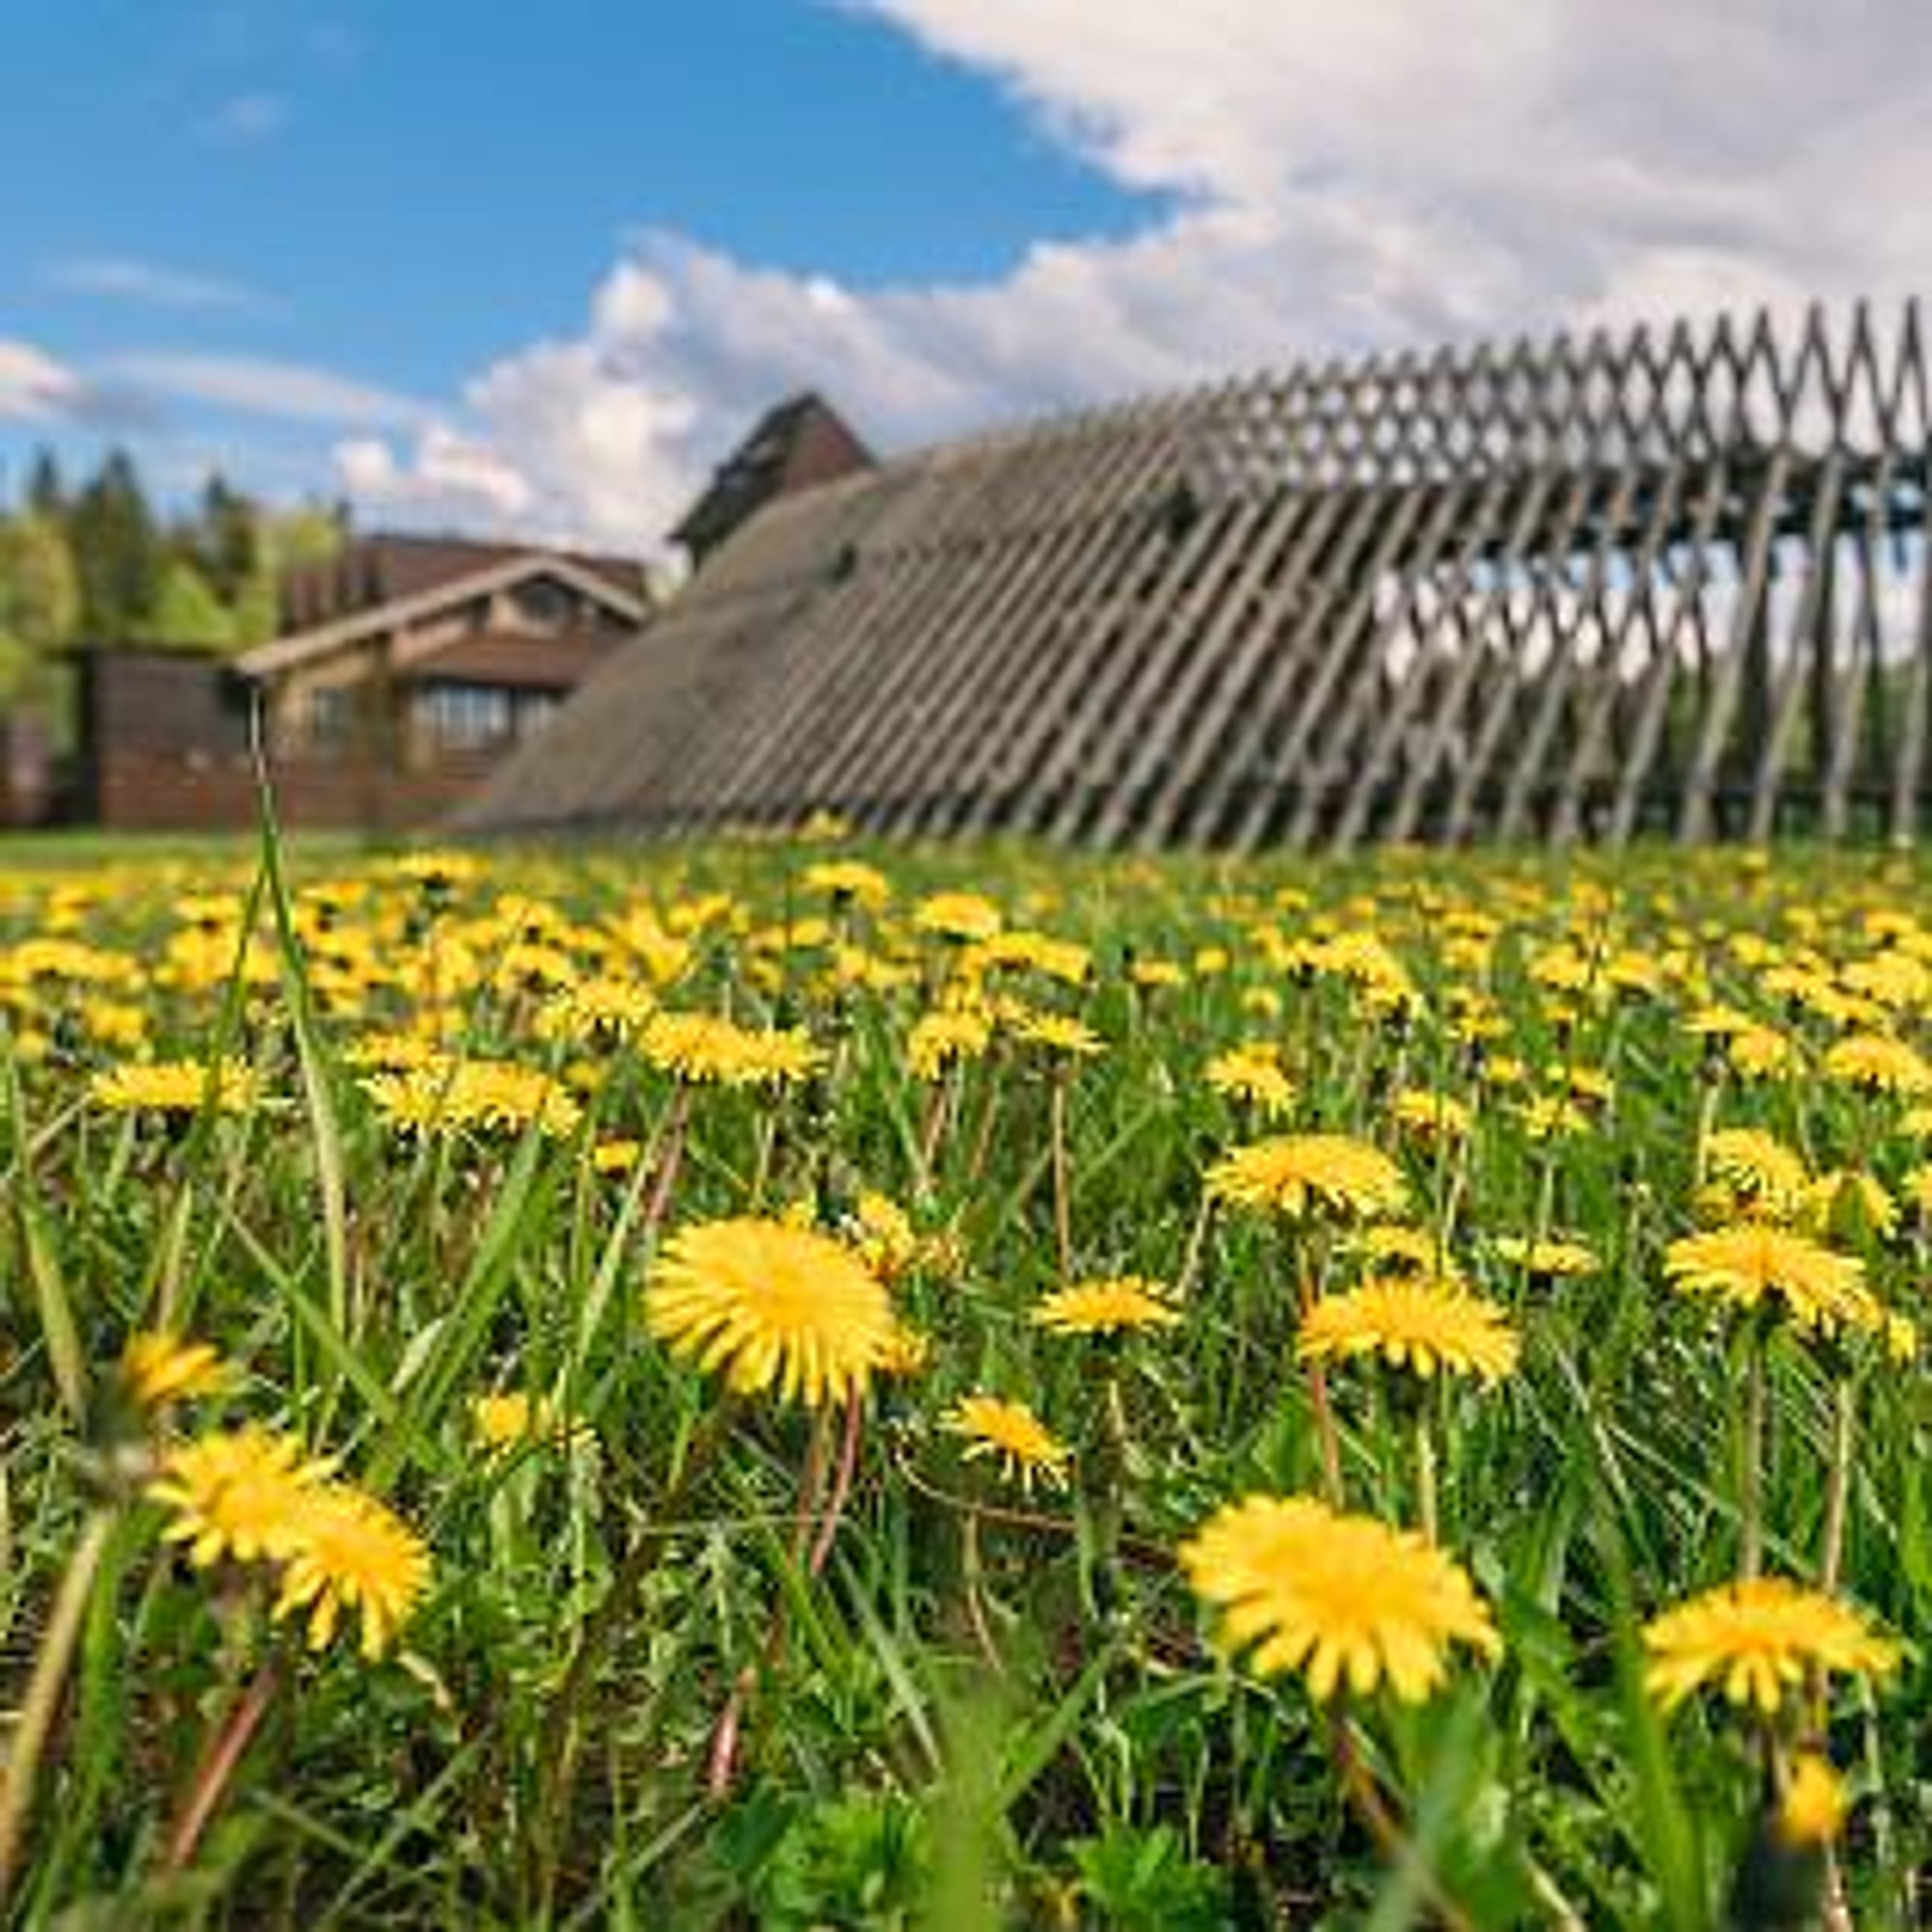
<point x="507" y="266"/>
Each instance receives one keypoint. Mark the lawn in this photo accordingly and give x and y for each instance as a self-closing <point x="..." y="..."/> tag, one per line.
<point x="777" y="1383"/>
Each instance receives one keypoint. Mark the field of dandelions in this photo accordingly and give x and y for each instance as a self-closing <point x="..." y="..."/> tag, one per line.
<point x="774" y="1384"/>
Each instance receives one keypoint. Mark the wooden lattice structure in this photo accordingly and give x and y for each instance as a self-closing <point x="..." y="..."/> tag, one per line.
<point x="1664" y="583"/>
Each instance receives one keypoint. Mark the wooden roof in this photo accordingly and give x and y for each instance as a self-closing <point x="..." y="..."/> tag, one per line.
<point x="1672" y="581"/>
<point x="512" y="567"/>
<point x="386" y="565"/>
<point x="800" y="443"/>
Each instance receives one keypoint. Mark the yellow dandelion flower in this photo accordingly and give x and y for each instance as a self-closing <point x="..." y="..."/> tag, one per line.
<point x="1743" y="1263"/>
<point x="1761" y="1052"/>
<point x="1252" y="1074"/>
<point x="1344" y="1600"/>
<point x="1411" y="1325"/>
<point x="175" y="1087"/>
<point x="512" y="1418"/>
<point x="776" y="1307"/>
<point x="958" y="916"/>
<point x="1758" y="1641"/>
<point x="159" y="1369"/>
<point x="890" y="1245"/>
<point x="849" y="880"/>
<point x="944" y="1039"/>
<point x="906" y="1354"/>
<point x="1300" y="1174"/>
<point x="1757" y="1170"/>
<point x="1430" y="1116"/>
<point x="702" y="1048"/>
<point x="1812" y="1805"/>
<point x="347" y="1553"/>
<point x="604" y="1008"/>
<point x="1059" y="1033"/>
<point x="235" y="1494"/>
<point x="1010" y="1432"/>
<point x="1879" y="1063"/>
<point x="1115" y="1306"/>
<point x="1549" y="1257"/>
<point x="1850" y="1203"/>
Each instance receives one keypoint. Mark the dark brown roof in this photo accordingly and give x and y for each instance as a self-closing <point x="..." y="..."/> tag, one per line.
<point x="515" y="658"/>
<point x="801" y="442"/>
<point x="379" y="568"/>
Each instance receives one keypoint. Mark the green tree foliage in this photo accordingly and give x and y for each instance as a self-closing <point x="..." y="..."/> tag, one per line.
<point x="188" y="613"/>
<point x="117" y="550"/>
<point x="39" y="603"/>
<point x="91" y="562"/>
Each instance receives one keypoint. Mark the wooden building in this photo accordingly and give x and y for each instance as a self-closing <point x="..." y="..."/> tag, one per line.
<point x="409" y="669"/>
<point x="1670" y="581"/>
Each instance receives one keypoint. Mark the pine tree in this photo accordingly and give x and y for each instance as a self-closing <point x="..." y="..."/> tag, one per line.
<point x="46" y="490"/>
<point x="116" y="550"/>
<point x="226" y="539"/>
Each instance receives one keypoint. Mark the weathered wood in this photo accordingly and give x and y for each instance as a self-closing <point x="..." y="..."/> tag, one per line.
<point x="1570" y="590"/>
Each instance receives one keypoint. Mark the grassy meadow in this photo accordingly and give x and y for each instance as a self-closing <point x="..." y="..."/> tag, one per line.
<point x="779" y="1384"/>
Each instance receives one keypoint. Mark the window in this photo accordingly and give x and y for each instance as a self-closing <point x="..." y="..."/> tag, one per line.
<point x="464" y="717"/>
<point x="533" y="711"/>
<point x="544" y="603"/>
<point x="326" y="714"/>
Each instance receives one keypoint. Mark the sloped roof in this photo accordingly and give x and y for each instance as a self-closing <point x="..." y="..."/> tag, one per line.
<point x="798" y="446"/>
<point x="1576" y="589"/>
<point x="514" y="566"/>
<point x="386" y="565"/>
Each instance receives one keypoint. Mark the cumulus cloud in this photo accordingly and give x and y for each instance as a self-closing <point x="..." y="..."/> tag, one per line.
<point x="1321" y="179"/>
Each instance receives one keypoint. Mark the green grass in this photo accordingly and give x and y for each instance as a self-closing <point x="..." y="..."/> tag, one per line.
<point x="628" y="1695"/>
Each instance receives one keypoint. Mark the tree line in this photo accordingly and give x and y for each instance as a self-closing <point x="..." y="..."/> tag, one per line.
<point x="90" y="560"/>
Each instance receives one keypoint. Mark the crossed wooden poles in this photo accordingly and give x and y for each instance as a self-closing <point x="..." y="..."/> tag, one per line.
<point x="1663" y="583"/>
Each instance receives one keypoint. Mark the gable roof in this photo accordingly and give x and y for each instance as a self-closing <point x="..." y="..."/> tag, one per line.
<point x="800" y="443"/>
<point x="1675" y="581"/>
<point x="384" y="565"/>
<point x="282" y="654"/>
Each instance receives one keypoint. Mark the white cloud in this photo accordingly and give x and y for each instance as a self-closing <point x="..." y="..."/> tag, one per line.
<point x="265" y="387"/>
<point x="451" y="477"/>
<point x="1328" y="179"/>
<point x="34" y="387"/>
<point x="127" y="278"/>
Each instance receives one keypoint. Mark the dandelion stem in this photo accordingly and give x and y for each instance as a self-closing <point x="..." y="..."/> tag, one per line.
<point x="1751" y="1461"/>
<point x="668" y="1156"/>
<point x="1063" y="1187"/>
<point x="842" y="1485"/>
<point x="557" y="1745"/>
<point x="1425" y="1472"/>
<point x="225" y="1751"/>
<point x="976" y="1612"/>
<point x="1837" y="1484"/>
<point x="1397" y="1850"/>
<point x="1324" y="1433"/>
<point x="43" y="1691"/>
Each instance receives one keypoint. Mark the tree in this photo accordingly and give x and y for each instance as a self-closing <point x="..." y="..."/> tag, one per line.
<point x="40" y="605"/>
<point x="47" y="493"/>
<point x="227" y="541"/>
<point x="116" y="550"/>
<point x="40" y="593"/>
<point x="187" y="612"/>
